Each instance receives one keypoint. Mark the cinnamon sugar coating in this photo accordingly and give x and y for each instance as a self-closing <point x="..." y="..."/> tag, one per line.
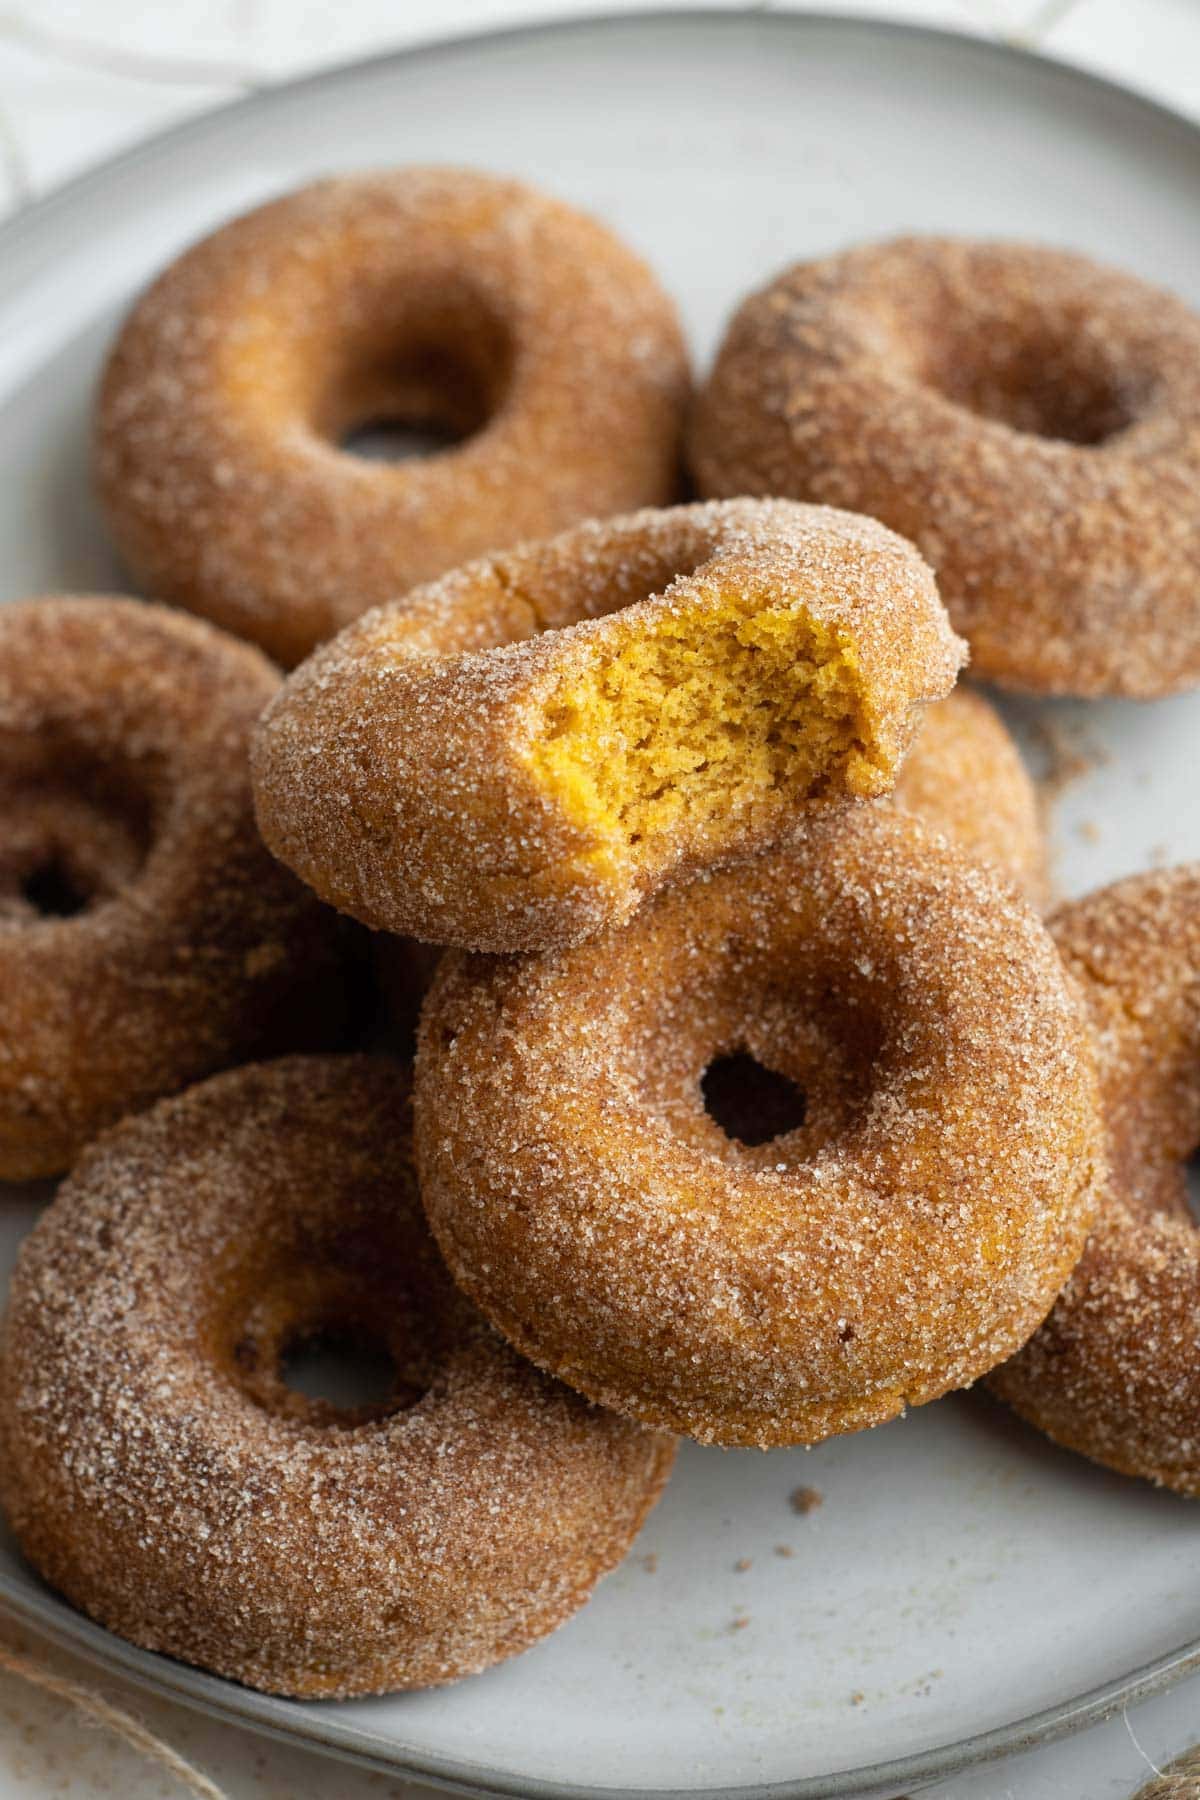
<point x="905" y="1238"/>
<point x="964" y="778"/>
<point x="1113" y="1371"/>
<point x="1029" y="418"/>
<point x="146" y="935"/>
<point x="517" y="756"/>
<point x="445" y="298"/>
<point x="157" y="1470"/>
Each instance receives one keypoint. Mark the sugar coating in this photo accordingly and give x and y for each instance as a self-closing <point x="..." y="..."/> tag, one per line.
<point x="124" y="736"/>
<point x="907" y="1237"/>
<point x="1030" y="419"/>
<point x="404" y="772"/>
<point x="432" y="295"/>
<point x="1113" y="1372"/>
<point x="158" y="1472"/>
<point x="965" y="778"/>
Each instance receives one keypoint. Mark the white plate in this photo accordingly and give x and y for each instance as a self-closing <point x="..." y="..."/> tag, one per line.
<point x="964" y="1588"/>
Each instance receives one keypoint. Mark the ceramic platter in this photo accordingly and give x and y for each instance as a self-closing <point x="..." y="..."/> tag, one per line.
<point x="964" y="1589"/>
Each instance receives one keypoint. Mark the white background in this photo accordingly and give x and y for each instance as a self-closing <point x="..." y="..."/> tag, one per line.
<point x="80" y="80"/>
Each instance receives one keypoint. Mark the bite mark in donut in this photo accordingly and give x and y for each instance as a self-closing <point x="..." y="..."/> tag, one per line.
<point x="519" y="755"/>
<point x="963" y="778"/>
<point x="696" y="717"/>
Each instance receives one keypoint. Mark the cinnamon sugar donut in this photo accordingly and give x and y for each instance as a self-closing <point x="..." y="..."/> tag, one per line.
<point x="517" y="756"/>
<point x="908" y="1234"/>
<point x="444" y="298"/>
<point x="1113" y="1372"/>
<point x="1030" y="419"/>
<point x="964" y="778"/>
<point x="146" y="936"/>
<point x="160" y="1473"/>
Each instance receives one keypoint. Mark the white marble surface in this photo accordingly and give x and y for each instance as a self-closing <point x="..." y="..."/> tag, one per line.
<point x="80" y="79"/>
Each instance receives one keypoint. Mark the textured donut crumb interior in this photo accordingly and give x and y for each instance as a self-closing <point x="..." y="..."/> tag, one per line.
<point x="697" y="718"/>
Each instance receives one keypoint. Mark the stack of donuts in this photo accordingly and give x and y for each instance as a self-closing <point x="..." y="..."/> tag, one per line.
<point x="754" y="1097"/>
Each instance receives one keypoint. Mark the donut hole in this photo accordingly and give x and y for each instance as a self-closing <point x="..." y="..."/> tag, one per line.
<point x="1038" y="386"/>
<point x="770" y="1065"/>
<point x="704" y="718"/>
<point x="400" y="440"/>
<point x="753" y="1104"/>
<point x="68" y="843"/>
<point x="344" y="1368"/>
<point x="326" y="1346"/>
<point x="53" y="890"/>
<point x="421" y="399"/>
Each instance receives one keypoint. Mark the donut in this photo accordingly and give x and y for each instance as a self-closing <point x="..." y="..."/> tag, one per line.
<point x="909" y="1231"/>
<point x="160" y="1473"/>
<point x="964" y="778"/>
<point x="147" y="938"/>
<point x="1029" y="418"/>
<point x="521" y="331"/>
<point x="517" y="756"/>
<point x="1113" y="1371"/>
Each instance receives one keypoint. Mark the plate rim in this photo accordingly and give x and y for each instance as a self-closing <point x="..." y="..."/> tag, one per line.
<point x="269" y="1715"/>
<point x="53" y="1619"/>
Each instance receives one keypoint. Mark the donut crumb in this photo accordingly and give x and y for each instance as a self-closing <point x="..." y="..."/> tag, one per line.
<point x="804" y="1500"/>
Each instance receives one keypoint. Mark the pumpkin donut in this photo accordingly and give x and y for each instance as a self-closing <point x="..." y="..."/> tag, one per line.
<point x="159" y="1472"/>
<point x="910" y="1231"/>
<point x="443" y="298"/>
<point x="146" y="936"/>
<point x="964" y="778"/>
<point x="516" y="757"/>
<point x="1030" y="419"/>
<point x="1113" y="1371"/>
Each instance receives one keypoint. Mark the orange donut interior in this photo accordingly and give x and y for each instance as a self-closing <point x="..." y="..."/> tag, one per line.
<point x="706" y="711"/>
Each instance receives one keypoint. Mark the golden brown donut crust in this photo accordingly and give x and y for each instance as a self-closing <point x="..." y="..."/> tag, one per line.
<point x="1029" y="418"/>
<point x="147" y="938"/>
<point x="439" y="770"/>
<point x="425" y="294"/>
<point x="912" y="1232"/>
<point x="1113" y="1372"/>
<point x="158" y="1471"/>
<point x="964" y="778"/>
